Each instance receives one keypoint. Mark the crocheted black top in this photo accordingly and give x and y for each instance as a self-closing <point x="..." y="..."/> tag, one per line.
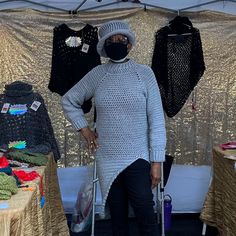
<point x="177" y="62"/>
<point x="23" y="119"/>
<point x="74" y="54"/>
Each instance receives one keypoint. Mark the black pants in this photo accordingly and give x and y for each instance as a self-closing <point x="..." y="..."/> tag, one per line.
<point x="133" y="186"/>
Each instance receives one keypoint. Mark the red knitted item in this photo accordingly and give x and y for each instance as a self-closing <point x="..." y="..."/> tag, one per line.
<point x="3" y="162"/>
<point x="26" y="176"/>
<point x="29" y="176"/>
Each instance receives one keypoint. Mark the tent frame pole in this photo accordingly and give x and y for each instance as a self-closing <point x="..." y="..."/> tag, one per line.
<point x="185" y="8"/>
<point x="77" y="9"/>
<point x="36" y="3"/>
<point x="102" y="5"/>
<point x="200" y="5"/>
<point x="79" y="6"/>
<point x="161" y="8"/>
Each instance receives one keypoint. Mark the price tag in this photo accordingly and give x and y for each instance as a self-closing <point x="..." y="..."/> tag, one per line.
<point x="35" y="105"/>
<point x="85" y="48"/>
<point x="5" y="107"/>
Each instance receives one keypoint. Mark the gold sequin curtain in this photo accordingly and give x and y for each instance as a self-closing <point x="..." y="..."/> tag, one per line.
<point x="26" y="46"/>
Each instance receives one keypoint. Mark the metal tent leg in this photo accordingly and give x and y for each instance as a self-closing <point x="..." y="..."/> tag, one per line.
<point x="95" y="179"/>
<point x="160" y="202"/>
<point x="204" y="229"/>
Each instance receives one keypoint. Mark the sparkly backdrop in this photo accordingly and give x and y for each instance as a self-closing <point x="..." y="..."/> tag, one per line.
<point x="26" y="46"/>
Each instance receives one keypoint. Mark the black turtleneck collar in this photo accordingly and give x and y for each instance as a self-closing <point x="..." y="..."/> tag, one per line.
<point x="18" y="89"/>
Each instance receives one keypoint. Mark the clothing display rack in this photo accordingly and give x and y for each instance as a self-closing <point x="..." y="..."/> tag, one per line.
<point x="101" y="5"/>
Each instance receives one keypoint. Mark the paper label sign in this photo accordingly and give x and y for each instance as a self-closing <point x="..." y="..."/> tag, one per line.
<point x="85" y="48"/>
<point x="5" y="107"/>
<point x="35" y="105"/>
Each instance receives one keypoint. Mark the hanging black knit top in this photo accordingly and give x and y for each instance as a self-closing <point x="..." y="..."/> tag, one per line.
<point x="24" y="117"/>
<point x="74" y="55"/>
<point x="177" y="62"/>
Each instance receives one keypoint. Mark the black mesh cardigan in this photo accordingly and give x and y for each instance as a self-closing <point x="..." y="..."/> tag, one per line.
<point x="34" y="127"/>
<point x="177" y="62"/>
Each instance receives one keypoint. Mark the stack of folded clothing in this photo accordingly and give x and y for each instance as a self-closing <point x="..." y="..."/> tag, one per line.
<point x="35" y="159"/>
<point x="7" y="186"/>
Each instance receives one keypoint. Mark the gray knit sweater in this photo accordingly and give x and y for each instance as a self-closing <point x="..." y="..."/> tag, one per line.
<point x="130" y="120"/>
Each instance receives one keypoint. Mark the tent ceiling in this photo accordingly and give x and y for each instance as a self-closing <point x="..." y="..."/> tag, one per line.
<point x="227" y="6"/>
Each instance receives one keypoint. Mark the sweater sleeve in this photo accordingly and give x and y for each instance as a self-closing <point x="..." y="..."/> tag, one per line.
<point x="75" y="97"/>
<point x="156" y="120"/>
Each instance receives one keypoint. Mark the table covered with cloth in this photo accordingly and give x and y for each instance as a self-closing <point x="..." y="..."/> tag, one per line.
<point x="23" y="215"/>
<point x="219" y="208"/>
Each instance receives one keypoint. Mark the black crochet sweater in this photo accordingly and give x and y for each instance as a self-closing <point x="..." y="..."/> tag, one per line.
<point x="32" y="126"/>
<point x="74" y="54"/>
<point x="177" y="62"/>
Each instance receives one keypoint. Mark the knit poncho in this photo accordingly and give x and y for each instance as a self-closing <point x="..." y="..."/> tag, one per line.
<point x="130" y="122"/>
<point x="177" y="62"/>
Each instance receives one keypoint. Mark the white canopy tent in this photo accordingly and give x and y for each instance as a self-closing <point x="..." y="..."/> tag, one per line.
<point x="75" y="6"/>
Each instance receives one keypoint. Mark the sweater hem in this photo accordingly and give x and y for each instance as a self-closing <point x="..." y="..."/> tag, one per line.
<point x="104" y="199"/>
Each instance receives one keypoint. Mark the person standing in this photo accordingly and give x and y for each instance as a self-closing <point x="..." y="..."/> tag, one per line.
<point x="130" y="138"/>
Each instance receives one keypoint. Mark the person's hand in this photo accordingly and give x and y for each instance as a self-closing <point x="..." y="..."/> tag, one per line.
<point x="155" y="173"/>
<point x="91" y="138"/>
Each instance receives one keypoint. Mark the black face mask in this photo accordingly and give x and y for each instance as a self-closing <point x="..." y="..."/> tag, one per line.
<point x="116" y="51"/>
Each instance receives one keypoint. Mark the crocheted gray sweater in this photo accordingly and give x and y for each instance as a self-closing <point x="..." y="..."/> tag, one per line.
<point x="130" y="120"/>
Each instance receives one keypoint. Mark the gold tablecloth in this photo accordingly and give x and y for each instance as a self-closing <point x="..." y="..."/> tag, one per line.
<point x="24" y="217"/>
<point x="219" y="208"/>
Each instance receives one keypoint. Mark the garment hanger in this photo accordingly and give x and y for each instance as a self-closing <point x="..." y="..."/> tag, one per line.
<point x="184" y="34"/>
<point x="74" y="16"/>
<point x="180" y="24"/>
<point x="73" y="23"/>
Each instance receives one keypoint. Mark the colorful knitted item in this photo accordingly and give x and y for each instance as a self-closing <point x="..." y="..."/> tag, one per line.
<point x="37" y="159"/>
<point x="3" y="162"/>
<point x="26" y="176"/>
<point x="6" y="170"/>
<point x="5" y="194"/>
<point x="7" y="186"/>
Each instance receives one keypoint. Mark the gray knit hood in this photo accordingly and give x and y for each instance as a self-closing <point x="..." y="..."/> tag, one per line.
<point x="112" y="28"/>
